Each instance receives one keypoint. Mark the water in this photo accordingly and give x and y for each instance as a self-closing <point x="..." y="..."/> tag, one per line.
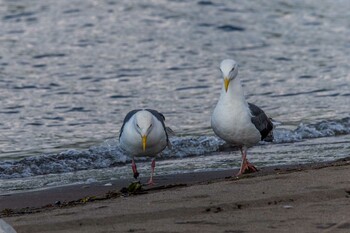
<point x="71" y="70"/>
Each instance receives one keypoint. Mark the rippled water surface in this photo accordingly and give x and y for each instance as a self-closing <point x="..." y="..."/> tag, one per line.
<point x="71" y="69"/>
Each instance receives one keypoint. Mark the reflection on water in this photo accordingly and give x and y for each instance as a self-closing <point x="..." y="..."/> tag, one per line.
<point x="69" y="71"/>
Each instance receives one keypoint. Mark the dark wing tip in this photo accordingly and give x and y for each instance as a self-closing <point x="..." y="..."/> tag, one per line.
<point x="260" y="121"/>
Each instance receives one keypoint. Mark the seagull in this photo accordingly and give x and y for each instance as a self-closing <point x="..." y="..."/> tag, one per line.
<point x="143" y="133"/>
<point x="235" y="120"/>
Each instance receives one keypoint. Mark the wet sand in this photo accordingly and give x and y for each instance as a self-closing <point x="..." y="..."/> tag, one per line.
<point x="308" y="198"/>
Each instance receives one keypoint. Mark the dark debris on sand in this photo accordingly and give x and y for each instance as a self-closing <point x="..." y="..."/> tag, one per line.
<point x="135" y="188"/>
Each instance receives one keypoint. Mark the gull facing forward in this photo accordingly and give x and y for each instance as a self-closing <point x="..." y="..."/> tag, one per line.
<point x="143" y="133"/>
<point x="235" y="120"/>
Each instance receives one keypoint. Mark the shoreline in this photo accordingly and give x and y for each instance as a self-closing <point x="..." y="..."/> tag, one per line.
<point x="74" y="195"/>
<point x="301" y="198"/>
<point x="308" y="198"/>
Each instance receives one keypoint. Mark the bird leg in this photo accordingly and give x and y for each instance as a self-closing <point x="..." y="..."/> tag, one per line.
<point x="134" y="169"/>
<point x="153" y="165"/>
<point x="246" y="167"/>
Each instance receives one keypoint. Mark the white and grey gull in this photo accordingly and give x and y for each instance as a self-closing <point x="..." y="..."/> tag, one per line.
<point x="235" y="120"/>
<point x="143" y="133"/>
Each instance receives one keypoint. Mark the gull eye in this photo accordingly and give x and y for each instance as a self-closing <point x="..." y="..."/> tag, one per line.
<point x="137" y="125"/>
<point x="233" y="69"/>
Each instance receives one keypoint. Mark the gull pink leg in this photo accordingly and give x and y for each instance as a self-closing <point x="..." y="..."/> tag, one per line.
<point x="153" y="165"/>
<point x="246" y="167"/>
<point x="134" y="169"/>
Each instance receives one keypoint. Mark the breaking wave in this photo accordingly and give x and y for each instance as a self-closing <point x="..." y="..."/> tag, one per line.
<point x="108" y="154"/>
<point x="305" y="131"/>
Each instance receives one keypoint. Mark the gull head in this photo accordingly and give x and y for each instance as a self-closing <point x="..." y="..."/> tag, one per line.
<point x="143" y="125"/>
<point x="229" y="69"/>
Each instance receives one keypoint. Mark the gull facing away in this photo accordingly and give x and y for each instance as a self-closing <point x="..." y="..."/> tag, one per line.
<point x="143" y="133"/>
<point x="235" y="120"/>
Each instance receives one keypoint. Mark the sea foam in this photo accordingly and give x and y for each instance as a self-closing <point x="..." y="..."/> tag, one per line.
<point x="109" y="154"/>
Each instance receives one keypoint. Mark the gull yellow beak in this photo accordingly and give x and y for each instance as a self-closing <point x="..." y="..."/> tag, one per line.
<point x="226" y="83"/>
<point x="144" y="142"/>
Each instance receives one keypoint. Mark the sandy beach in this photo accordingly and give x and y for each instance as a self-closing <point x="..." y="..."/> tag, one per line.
<point x="308" y="198"/>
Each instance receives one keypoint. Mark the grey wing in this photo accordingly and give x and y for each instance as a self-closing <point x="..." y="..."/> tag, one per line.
<point x="161" y="118"/>
<point x="260" y="120"/>
<point x="126" y="119"/>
